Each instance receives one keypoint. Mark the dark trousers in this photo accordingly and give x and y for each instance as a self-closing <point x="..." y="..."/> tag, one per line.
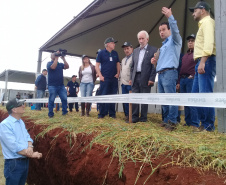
<point x="137" y="88"/>
<point x="71" y="105"/>
<point x="16" y="171"/>
<point x="108" y="87"/>
<point x="125" y="90"/>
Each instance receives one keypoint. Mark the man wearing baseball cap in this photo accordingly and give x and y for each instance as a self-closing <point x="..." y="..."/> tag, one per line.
<point x="205" y="57"/>
<point x="16" y="144"/>
<point x="40" y="86"/>
<point x="72" y="91"/>
<point x="109" y="73"/>
<point x="125" y="74"/>
<point x="186" y="78"/>
<point x="56" y="82"/>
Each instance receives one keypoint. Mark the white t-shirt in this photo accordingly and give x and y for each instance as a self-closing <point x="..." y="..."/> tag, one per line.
<point x="87" y="75"/>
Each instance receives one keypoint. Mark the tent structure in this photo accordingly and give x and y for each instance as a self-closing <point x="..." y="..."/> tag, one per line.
<point x="123" y="19"/>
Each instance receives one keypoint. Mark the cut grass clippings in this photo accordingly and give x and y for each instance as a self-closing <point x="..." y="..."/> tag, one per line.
<point x="143" y="142"/>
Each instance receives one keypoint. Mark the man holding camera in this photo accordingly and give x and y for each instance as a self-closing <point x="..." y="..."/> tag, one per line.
<point x="56" y="82"/>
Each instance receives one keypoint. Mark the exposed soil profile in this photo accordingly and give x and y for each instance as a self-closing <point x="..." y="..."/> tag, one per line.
<point x="70" y="160"/>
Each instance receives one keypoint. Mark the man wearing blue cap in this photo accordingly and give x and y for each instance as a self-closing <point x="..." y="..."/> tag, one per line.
<point x="205" y="58"/>
<point x="109" y="73"/>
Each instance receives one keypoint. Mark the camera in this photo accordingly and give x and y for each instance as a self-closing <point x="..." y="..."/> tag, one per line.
<point x="62" y="52"/>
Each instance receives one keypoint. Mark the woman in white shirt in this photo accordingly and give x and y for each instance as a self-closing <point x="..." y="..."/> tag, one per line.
<point x="87" y="76"/>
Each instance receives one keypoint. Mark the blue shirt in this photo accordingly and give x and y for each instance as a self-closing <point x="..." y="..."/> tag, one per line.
<point x="14" y="137"/>
<point x="108" y="63"/>
<point x="171" y="47"/>
<point x="72" y="87"/>
<point x="55" y="76"/>
<point x="40" y="82"/>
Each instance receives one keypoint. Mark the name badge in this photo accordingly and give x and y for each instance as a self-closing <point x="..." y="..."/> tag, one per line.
<point x="111" y="59"/>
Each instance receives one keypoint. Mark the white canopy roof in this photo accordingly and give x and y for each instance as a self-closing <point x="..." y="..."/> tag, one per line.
<point x="122" y="20"/>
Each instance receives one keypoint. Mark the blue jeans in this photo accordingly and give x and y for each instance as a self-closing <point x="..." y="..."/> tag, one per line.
<point x="167" y="84"/>
<point x="108" y="87"/>
<point x="204" y="83"/>
<point x="40" y="94"/>
<point x="86" y="89"/>
<point x="16" y="171"/>
<point x="186" y="87"/>
<point x="125" y="90"/>
<point x="53" y="92"/>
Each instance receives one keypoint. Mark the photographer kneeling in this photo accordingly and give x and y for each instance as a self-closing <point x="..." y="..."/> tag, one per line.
<point x="56" y="81"/>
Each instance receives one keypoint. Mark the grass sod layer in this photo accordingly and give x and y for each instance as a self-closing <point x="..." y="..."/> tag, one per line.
<point x="143" y="142"/>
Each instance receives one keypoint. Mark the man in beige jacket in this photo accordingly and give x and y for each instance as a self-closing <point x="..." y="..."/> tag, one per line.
<point x="125" y="74"/>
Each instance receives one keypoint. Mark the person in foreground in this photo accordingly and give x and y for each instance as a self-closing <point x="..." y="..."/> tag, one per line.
<point x="142" y="76"/>
<point x="205" y="58"/>
<point x="56" y="83"/>
<point x="16" y="144"/>
<point x="167" y="65"/>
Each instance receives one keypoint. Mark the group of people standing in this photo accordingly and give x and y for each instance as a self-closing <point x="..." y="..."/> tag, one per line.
<point x="138" y="70"/>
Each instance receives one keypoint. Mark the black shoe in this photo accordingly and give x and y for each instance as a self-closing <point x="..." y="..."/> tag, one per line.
<point x="64" y="114"/>
<point x="114" y="117"/>
<point x="100" y="117"/>
<point x="70" y="110"/>
<point x="171" y="126"/>
<point x="50" y="116"/>
<point x="200" y="129"/>
<point x="77" y="110"/>
<point x="163" y="124"/>
<point x="143" y="121"/>
<point x="127" y="119"/>
<point x="134" y="121"/>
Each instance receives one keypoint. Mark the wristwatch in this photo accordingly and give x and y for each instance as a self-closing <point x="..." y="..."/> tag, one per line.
<point x="31" y="146"/>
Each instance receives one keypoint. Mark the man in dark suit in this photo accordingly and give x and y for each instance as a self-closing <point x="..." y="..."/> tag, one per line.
<point x="143" y="74"/>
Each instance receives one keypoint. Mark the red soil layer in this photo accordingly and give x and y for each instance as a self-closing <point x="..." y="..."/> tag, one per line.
<point x="73" y="162"/>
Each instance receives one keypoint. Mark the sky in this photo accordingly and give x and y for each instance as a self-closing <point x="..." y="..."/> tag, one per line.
<point x="25" y="25"/>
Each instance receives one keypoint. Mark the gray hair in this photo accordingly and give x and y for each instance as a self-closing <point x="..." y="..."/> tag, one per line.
<point x="143" y="32"/>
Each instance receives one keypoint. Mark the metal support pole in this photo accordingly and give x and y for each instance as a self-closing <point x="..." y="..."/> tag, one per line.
<point x="39" y="61"/>
<point x="130" y="111"/>
<point x="6" y="85"/>
<point x="220" y="26"/>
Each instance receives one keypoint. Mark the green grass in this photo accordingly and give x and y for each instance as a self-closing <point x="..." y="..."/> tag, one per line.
<point x="143" y="142"/>
<point x="2" y="179"/>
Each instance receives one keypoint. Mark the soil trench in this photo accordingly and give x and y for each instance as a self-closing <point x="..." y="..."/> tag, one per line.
<point x="71" y="160"/>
